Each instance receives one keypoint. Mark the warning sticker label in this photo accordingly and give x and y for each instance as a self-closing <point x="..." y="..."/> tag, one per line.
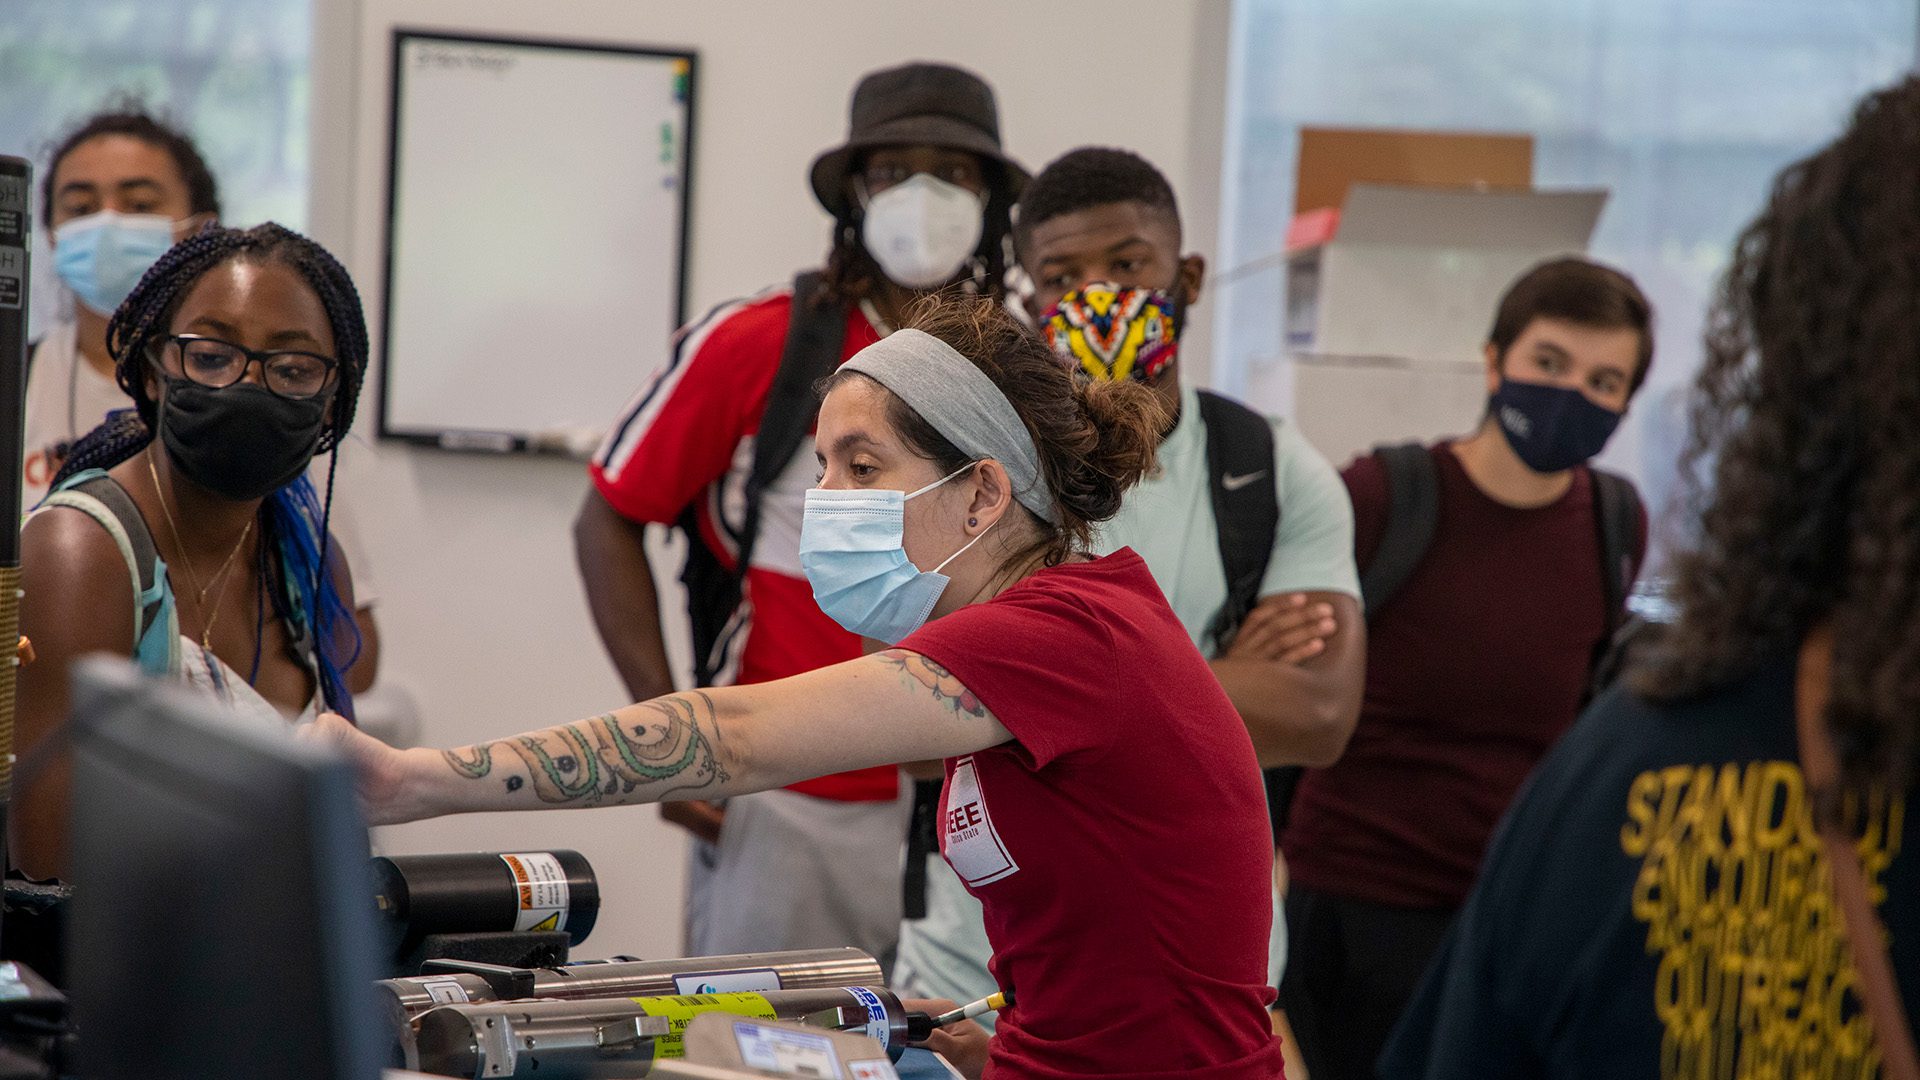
<point x="542" y="885"/>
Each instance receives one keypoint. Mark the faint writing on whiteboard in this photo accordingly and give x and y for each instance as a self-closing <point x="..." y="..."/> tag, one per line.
<point x="462" y="58"/>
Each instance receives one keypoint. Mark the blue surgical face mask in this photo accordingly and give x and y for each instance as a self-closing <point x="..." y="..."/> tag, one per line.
<point x="102" y="256"/>
<point x="852" y="547"/>
<point x="1551" y="428"/>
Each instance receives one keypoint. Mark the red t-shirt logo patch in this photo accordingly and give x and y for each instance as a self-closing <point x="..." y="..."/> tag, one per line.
<point x="967" y="836"/>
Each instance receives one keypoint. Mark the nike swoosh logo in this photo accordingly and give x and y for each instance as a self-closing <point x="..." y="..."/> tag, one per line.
<point x="1235" y="483"/>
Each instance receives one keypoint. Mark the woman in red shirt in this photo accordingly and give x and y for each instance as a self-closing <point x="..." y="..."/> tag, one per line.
<point x="1102" y="796"/>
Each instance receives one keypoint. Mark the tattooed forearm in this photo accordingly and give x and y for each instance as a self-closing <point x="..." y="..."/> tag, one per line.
<point x="474" y="767"/>
<point x="669" y="750"/>
<point x="937" y="680"/>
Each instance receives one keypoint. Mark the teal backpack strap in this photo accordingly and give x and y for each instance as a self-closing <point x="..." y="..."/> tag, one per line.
<point x="156" y="630"/>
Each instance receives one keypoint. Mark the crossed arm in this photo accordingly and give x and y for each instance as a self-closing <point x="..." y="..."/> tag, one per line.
<point x="703" y="744"/>
<point x="1300" y="700"/>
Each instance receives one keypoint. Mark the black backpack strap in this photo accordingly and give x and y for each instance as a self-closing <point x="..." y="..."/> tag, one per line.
<point x="1616" y="512"/>
<point x="1413" y="512"/>
<point x="1616" y="515"/>
<point x="1246" y="509"/>
<point x="923" y="842"/>
<point x="111" y="495"/>
<point x="816" y="335"/>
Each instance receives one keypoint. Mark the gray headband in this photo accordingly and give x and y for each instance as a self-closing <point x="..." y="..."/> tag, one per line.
<point x="961" y="403"/>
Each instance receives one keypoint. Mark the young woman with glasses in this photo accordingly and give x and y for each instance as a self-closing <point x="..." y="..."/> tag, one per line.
<point x="243" y="352"/>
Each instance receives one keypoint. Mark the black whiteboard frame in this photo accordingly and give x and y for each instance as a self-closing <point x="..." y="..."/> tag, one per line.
<point x="475" y="439"/>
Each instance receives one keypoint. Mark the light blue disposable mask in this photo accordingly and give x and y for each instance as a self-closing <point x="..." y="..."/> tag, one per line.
<point x="102" y="256"/>
<point x="852" y="547"/>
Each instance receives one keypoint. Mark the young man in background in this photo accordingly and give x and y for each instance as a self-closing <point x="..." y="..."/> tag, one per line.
<point x="1478" y="657"/>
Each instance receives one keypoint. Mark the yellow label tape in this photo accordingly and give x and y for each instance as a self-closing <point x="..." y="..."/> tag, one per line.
<point x="680" y="1011"/>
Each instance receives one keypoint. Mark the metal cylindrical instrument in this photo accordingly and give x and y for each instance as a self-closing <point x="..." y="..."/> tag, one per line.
<point x="404" y="1000"/>
<point x="474" y="892"/>
<point x="611" y="1037"/>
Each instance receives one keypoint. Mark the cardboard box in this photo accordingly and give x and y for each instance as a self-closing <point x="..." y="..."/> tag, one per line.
<point x="1415" y="272"/>
<point x="1334" y="159"/>
<point x="1391" y="286"/>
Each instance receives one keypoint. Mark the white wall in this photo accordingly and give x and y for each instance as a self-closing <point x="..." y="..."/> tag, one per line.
<point x="482" y="615"/>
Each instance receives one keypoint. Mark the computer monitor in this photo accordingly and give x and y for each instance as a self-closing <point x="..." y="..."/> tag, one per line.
<point x="222" y="925"/>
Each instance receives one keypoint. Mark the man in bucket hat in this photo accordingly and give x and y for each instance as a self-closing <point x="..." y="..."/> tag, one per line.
<point x="719" y="444"/>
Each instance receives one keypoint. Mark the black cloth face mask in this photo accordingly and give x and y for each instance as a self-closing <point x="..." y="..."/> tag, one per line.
<point x="241" y="441"/>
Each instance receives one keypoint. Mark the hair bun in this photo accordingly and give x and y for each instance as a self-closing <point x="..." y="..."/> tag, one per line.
<point x="1125" y="422"/>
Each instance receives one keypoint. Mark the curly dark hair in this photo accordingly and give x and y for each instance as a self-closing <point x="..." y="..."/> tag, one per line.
<point x="128" y="116"/>
<point x="1809" y="407"/>
<point x="851" y="274"/>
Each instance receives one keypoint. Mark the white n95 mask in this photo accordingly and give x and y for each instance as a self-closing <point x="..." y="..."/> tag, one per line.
<point x="922" y="230"/>
<point x="852" y="547"/>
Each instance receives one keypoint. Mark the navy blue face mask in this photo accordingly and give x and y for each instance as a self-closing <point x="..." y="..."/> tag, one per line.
<point x="1551" y="428"/>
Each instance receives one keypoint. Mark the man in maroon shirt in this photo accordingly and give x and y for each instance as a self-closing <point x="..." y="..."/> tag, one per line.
<point x="1475" y="665"/>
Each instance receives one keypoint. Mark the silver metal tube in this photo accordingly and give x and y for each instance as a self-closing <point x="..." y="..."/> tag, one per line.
<point x="404" y="1000"/>
<point x="623" y="1036"/>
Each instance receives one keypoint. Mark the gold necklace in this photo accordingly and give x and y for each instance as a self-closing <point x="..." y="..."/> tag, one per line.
<point x="221" y="577"/>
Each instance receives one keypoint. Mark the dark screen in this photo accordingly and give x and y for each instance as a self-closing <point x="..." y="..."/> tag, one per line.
<point x="222" y="916"/>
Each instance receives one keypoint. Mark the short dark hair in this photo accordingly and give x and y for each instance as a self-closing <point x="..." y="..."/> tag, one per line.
<point x="1088" y="177"/>
<point x="129" y="117"/>
<point x="1579" y="291"/>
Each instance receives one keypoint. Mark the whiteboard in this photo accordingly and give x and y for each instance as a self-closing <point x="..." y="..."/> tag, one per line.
<point x="536" y="236"/>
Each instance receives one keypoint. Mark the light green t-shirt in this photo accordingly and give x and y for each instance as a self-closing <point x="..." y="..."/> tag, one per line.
<point x="1168" y="519"/>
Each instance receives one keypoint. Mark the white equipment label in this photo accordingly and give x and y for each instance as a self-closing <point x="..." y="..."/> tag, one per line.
<point x="877" y="1027"/>
<point x="788" y="1053"/>
<point x="739" y="981"/>
<point x="445" y="991"/>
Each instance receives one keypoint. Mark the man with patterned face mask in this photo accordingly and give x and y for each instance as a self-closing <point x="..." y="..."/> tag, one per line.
<point x="1244" y="525"/>
<point x="719" y="444"/>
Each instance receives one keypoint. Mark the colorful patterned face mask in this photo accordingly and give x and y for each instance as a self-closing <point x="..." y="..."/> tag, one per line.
<point x="1114" y="332"/>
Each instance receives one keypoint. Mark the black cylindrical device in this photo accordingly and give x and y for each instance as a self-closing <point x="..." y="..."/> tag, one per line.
<point x="480" y="892"/>
<point x="609" y="1037"/>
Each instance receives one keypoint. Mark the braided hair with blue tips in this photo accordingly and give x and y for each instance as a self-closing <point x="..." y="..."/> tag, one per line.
<point x="302" y="590"/>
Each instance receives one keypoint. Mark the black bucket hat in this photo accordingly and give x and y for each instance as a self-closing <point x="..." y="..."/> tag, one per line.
<point x="917" y="105"/>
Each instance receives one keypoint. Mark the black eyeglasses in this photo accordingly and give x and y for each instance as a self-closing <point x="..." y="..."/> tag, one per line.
<point x="290" y="373"/>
